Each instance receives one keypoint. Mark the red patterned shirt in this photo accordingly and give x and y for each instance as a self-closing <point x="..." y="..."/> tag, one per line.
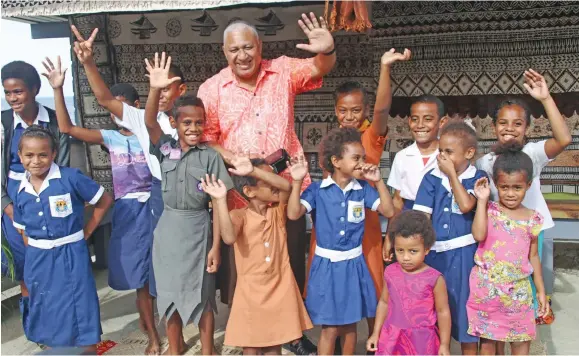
<point x="262" y="121"/>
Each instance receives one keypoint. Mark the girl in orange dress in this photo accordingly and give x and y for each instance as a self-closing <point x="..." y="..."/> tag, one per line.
<point x="267" y="309"/>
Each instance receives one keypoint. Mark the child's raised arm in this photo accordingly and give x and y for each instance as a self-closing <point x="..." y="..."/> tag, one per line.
<point x="243" y="167"/>
<point x="55" y="76"/>
<point x="298" y="170"/>
<point x="218" y="192"/>
<point x="384" y="92"/>
<point x="442" y="315"/>
<point x="480" y="222"/>
<point x="372" y="173"/>
<point x="158" y="80"/>
<point x="84" y="53"/>
<point x="381" y="313"/>
<point x="466" y="202"/>
<point x="537" y="87"/>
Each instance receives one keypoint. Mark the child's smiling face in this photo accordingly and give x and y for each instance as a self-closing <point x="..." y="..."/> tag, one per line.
<point x="18" y="95"/>
<point x="511" y="124"/>
<point x="36" y="155"/>
<point x="350" y="164"/>
<point x="424" y="122"/>
<point x="171" y="93"/>
<point x="190" y="122"/>
<point x="351" y="110"/>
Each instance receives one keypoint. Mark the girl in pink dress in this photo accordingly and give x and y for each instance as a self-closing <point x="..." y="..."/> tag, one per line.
<point x="414" y="297"/>
<point x="500" y="305"/>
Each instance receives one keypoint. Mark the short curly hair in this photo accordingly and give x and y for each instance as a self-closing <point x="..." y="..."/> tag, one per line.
<point x="430" y="99"/>
<point x="333" y="145"/>
<point x="23" y="71"/>
<point x="412" y="223"/>
<point x="350" y="87"/>
<point x="511" y="159"/>
<point x="462" y="130"/>
<point x="37" y="131"/>
<point x="125" y="90"/>
<point x="513" y="102"/>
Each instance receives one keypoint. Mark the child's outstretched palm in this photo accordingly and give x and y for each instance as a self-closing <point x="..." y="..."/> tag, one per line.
<point x="390" y="57"/>
<point x="482" y="190"/>
<point x="214" y="187"/>
<point x="159" y="72"/>
<point x="371" y="172"/>
<point x="536" y="85"/>
<point x="298" y="168"/>
<point x="242" y="165"/>
<point x="55" y="75"/>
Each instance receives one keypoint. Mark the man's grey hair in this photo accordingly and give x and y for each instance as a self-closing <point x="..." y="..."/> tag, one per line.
<point x="238" y="25"/>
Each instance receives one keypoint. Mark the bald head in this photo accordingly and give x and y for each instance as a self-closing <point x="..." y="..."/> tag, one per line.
<point x="242" y="48"/>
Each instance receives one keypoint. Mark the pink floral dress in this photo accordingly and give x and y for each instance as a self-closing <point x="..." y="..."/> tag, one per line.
<point x="500" y="306"/>
<point x="410" y="326"/>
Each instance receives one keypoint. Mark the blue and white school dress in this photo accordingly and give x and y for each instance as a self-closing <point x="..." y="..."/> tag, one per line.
<point x="63" y="308"/>
<point x="453" y="253"/>
<point x="132" y="234"/>
<point x="14" y="176"/>
<point x="340" y="288"/>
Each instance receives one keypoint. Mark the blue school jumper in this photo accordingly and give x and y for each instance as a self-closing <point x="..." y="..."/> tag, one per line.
<point x="63" y="308"/>
<point x="340" y="290"/>
<point x="14" y="176"/>
<point x="453" y="252"/>
<point x="132" y="234"/>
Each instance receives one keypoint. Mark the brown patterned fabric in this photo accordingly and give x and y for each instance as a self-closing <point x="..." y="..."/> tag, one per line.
<point x="470" y="54"/>
<point x="347" y="15"/>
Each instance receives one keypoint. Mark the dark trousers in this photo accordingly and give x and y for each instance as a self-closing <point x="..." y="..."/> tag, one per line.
<point x="296" y="243"/>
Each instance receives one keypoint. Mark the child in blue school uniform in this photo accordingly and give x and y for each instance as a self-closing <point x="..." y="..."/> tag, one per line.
<point x="129" y="252"/>
<point x="446" y="194"/>
<point x="21" y="83"/>
<point x="340" y="289"/>
<point x="63" y="307"/>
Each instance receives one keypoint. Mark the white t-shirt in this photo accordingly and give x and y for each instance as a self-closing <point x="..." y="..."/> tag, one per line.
<point x="408" y="169"/>
<point x="534" y="198"/>
<point x="134" y="120"/>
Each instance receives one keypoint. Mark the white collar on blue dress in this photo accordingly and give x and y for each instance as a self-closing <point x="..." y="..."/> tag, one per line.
<point x="42" y="116"/>
<point x="353" y="185"/>
<point x="468" y="173"/>
<point x="53" y="173"/>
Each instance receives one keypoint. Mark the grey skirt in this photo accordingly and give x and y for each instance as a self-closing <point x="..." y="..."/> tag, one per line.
<point x="182" y="240"/>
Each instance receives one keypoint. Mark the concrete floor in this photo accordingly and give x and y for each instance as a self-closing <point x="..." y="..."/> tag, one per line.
<point x="120" y="323"/>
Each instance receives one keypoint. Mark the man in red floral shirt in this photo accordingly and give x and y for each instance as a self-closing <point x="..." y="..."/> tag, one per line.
<point x="250" y="110"/>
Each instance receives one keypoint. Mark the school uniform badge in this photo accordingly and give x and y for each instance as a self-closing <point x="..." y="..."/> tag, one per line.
<point x="60" y="205"/>
<point x="356" y="213"/>
<point x="165" y="148"/>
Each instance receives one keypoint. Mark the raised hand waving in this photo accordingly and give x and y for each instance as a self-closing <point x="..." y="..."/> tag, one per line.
<point x="321" y="40"/>
<point x="159" y="72"/>
<point x="54" y="74"/>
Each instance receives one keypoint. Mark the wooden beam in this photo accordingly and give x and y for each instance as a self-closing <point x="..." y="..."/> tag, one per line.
<point x="50" y="30"/>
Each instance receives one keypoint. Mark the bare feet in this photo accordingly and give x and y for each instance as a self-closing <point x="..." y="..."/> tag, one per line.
<point x="183" y="347"/>
<point x="142" y="325"/>
<point x="153" y="348"/>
